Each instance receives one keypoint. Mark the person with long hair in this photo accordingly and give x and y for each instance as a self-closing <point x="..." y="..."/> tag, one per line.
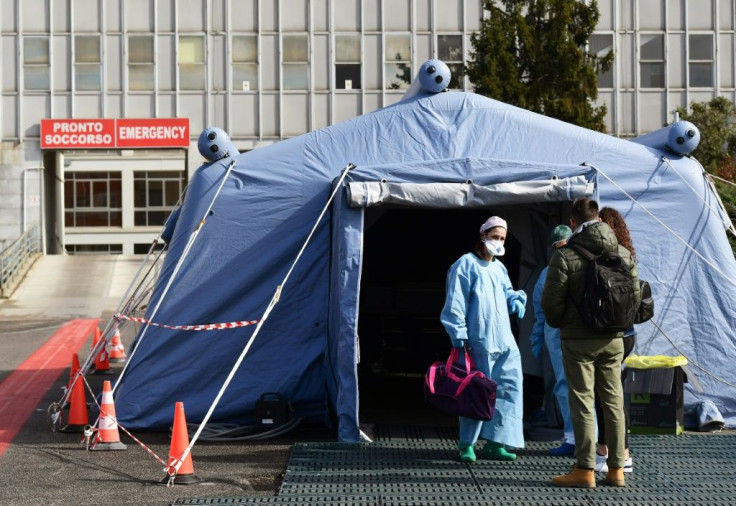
<point x="478" y="301"/>
<point x="614" y="220"/>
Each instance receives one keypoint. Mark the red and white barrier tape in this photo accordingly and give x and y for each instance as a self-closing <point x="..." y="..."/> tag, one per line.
<point x="208" y="326"/>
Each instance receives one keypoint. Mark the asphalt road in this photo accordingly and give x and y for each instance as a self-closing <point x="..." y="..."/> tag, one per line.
<point x="41" y="466"/>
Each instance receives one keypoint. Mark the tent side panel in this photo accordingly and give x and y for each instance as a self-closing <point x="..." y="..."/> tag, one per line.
<point x="347" y="244"/>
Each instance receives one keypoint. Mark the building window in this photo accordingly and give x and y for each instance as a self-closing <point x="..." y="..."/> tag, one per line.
<point x="245" y="62"/>
<point x="94" y="249"/>
<point x="92" y="199"/>
<point x="87" y="68"/>
<point x="156" y="193"/>
<point x="347" y="62"/>
<point x="651" y="61"/>
<point x="36" y="63"/>
<point x="140" y="63"/>
<point x="191" y="62"/>
<point x="295" y="61"/>
<point x="144" y="248"/>
<point x="397" y="67"/>
<point x="601" y="44"/>
<point x="700" y="62"/>
<point x="450" y="51"/>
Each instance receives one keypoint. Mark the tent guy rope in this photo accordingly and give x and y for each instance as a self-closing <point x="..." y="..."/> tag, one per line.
<point x="672" y="343"/>
<point x="107" y="333"/>
<point x="180" y="262"/>
<point x="90" y="430"/>
<point x="689" y="360"/>
<point x="722" y="180"/>
<point x="274" y="300"/>
<point x="699" y="197"/>
<point x="126" y="303"/>
<point x="712" y="185"/>
<point x="683" y="241"/>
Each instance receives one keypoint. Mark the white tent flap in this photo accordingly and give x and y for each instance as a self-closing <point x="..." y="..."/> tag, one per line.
<point x="470" y="195"/>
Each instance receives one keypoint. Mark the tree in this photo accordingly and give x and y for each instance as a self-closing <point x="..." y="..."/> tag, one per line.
<point x="716" y="151"/>
<point x="531" y="53"/>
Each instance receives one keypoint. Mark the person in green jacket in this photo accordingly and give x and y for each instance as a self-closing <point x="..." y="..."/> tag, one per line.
<point x="591" y="359"/>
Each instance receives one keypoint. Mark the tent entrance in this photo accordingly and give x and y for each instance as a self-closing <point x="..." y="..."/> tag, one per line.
<point x="406" y="255"/>
<point x="393" y="243"/>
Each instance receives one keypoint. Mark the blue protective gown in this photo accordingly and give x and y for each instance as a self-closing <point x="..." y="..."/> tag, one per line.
<point x="476" y="313"/>
<point x="551" y="338"/>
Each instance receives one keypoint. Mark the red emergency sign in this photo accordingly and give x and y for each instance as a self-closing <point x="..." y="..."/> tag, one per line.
<point x="77" y="133"/>
<point x="114" y="133"/>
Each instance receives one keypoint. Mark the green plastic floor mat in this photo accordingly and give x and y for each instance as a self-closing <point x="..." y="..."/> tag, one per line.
<point x="668" y="470"/>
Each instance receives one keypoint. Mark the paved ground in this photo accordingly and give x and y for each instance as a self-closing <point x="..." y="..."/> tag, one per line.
<point x="52" y="468"/>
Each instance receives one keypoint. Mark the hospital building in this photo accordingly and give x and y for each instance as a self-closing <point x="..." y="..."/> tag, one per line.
<point x="103" y="100"/>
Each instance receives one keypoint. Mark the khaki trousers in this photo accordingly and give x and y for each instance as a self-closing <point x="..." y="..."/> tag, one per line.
<point x="595" y="364"/>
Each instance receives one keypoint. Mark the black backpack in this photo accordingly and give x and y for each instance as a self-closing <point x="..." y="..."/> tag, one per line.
<point x="608" y="296"/>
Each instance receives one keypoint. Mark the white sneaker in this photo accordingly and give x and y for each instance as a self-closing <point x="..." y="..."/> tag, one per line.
<point x="601" y="466"/>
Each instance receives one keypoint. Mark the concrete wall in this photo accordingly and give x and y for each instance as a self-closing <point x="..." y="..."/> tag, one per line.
<point x="20" y="189"/>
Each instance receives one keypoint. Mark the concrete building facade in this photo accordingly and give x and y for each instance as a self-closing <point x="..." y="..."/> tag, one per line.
<point x="77" y="71"/>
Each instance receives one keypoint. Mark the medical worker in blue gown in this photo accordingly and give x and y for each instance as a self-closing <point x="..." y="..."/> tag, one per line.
<point x="479" y="299"/>
<point x="543" y="335"/>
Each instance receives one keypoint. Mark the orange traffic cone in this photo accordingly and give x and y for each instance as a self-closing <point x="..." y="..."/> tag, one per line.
<point x="72" y="373"/>
<point x="102" y="360"/>
<point x="78" y="417"/>
<point x="117" y="350"/>
<point x="108" y="437"/>
<point x="179" y="443"/>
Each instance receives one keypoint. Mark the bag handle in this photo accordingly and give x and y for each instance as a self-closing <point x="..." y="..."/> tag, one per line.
<point x="454" y="357"/>
<point x="432" y="375"/>
<point x="466" y="381"/>
<point x="463" y="384"/>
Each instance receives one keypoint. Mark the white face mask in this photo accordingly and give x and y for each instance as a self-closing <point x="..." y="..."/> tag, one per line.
<point x="495" y="248"/>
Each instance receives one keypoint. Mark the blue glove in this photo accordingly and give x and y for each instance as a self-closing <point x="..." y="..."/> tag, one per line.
<point x="537" y="349"/>
<point x="518" y="308"/>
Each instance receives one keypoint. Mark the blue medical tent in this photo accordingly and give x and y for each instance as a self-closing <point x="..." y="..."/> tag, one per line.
<point x="440" y="164"/>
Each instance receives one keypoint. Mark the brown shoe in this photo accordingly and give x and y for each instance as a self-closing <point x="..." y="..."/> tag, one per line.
<point x="615" y="477"/>
<point x="577" y="477"/>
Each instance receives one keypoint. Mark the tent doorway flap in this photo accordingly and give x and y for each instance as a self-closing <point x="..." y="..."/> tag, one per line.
<point x="467" y="195"/>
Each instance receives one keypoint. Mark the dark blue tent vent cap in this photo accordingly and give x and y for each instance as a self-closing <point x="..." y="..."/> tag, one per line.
<point x="214" y="144"/>
<point x="434" y="75"/>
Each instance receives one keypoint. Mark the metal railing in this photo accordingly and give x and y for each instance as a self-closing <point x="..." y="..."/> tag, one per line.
<point x="15" y="256"/>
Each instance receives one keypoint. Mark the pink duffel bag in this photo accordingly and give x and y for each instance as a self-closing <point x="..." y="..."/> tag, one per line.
<point x="457" y="389"/>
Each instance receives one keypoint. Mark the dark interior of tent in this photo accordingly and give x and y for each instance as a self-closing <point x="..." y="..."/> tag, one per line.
<point x="406" y="255"/>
